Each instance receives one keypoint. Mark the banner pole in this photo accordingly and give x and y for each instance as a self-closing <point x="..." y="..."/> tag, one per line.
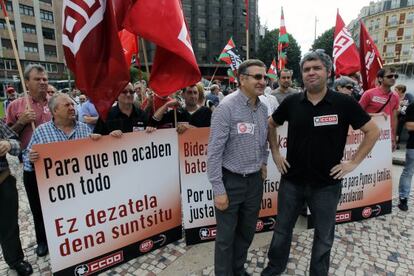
<point x="212" y="78"/>
<point x="16" y="56"/>
<point x="144" y="51"/>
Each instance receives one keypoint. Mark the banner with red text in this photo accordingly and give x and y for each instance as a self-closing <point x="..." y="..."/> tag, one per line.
<point x="104" y="202"/>
<point x="196" y="191"/>
<point x="367" y="191"/>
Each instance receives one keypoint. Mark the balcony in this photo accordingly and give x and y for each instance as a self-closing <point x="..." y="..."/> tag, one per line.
<point x="390" y="39"/>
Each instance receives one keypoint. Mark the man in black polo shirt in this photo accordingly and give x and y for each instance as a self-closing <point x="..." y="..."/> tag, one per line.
<point x="192" y="115"/>
<point x="124" y="116"/>
<point x="318" y="121"/>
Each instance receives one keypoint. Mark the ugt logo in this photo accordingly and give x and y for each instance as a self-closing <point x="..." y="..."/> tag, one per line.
<point x="80" y="17"/>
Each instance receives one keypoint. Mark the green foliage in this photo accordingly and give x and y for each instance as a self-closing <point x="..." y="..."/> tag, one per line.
<point x="325" y="41"/>
<point x="136" y="74"/>
<point x="268" y="50"/>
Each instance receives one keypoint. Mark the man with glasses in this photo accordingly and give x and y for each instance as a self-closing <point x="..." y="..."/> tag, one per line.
<point x="382" y="100"/>
<point x="318" y="123"/>
<point x="124" y="116"/>
<point x="236" y="167"/>
<point x="346" y="85"/>
<point x="285" y="83"/>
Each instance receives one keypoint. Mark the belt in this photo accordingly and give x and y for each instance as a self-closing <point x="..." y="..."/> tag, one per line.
<point x="4" y="174"/>
<point x="244" y="175"/>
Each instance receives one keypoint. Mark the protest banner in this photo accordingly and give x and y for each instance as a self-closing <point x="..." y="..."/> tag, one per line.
<point x="197" y="195"/>
<point x="105" y="202"/>
<point x="367" y="191"/>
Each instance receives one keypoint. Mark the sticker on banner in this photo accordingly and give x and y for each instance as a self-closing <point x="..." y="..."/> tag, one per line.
<point x="325" y="120"/>
<point x="207" y="233"/>
<point x="243" y="128"/>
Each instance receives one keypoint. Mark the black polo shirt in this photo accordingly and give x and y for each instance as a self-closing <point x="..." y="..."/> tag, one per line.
<point x="317" y="134"/>
<point x="137" y="121"/>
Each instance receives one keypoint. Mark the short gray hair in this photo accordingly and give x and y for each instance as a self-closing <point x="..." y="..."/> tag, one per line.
<point x="29" y="68"/>
<point x="53" y="101"/>
<point x="344" y="81"/>
<point x="318" y="54"/>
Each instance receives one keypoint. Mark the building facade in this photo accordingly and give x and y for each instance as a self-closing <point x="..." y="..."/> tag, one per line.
<point x="36" y="26"/>
<point x="211" y="24"/>
<point x="391" y="26"/>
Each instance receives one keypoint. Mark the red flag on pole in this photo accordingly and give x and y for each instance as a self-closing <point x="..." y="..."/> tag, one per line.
<point x="129" y="44"/>
<point x="162" y="22"/>
<point x="121" y="8"/>
<point x="282" y="43"/>
<point x="370" y="58"/>
<point x="93" y="51"/>
<point x="345" y="52"/>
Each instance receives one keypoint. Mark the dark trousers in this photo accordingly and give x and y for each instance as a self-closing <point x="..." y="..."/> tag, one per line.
<point x="322" y="202"/>
<point x="9" y="227"/>
<point x="30" y="184"/>
<point x="237" y="224"/>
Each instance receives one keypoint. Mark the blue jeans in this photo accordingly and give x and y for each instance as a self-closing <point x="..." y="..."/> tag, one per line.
<point x="407" y="174"/>
<point x="322" y="202"/>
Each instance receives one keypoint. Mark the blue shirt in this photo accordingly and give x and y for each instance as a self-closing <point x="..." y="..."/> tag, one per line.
<point x="88" y="109"/>
<point x="49" y="133"/>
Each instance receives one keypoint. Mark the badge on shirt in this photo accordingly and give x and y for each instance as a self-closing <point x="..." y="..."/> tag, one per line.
<point x="245" y="128"/>
<point x="380" y="100"/>
<point x="325" y="120"/>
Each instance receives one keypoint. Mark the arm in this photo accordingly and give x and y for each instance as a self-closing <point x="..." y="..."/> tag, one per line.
<point x="394" y="123"/>
<point x="409" y="126"/>
<point x="9" y="143"/>
<point x="372" y="133"/>
<point x="90" y="119"/>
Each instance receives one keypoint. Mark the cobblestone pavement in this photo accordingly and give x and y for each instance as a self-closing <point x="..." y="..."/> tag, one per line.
<point x="378" y="246"/>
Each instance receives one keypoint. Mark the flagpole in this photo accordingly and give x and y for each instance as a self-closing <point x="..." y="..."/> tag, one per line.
<point x="214" y="74"/>
<point x="247" y="44"/>
<point x="16" y="56"/>
<point x="144" y="51"/>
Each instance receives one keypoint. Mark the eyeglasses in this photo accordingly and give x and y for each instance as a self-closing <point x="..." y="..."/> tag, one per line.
<point x="395" y="76"/>
<point x="131" y="92"/>
<point x="258" y="76"/>
<point x="349" y="87"/>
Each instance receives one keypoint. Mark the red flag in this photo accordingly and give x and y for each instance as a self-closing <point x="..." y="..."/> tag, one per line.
<point x="121" y="8"/>
<point x="345" y="52"/>
<point x="162" y="22"/>
<point x="93" y="51"/>
<point x="247" y="14"/>
<point x="370" y="58"/>
<point x="129" y="44"/>
<point x="282" y="43"/>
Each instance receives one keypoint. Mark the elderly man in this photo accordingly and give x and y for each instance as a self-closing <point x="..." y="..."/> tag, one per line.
<point x="285" y="83"/>
<point x="192" y="115"/>
<point x="20" y="118"/>
<point x="236" y="167"/>
<point x="313" y="173"/>
<point x="11" y="95"/>
<point x="346" y="86"/>
<point x="9" y="227"/>
<point x="124" y="116"/>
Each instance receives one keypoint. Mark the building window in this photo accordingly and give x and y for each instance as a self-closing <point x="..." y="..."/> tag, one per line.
<point x="30" y="47"/>
<point x="49" y="2"/>
<point x="50" y="50"/>
<point x="50" y="67"/>
<point x="393" y="20"/>
<point x="377" y="23"/>
<point x="392" y="35"/>
<point x="395" y="4"/>
<point x="9" y="6"/>
<point x="6" y="44"/>
<point x="408" y="32"/>
<point x="29" y="29"/>
<point x="410" y="17"/>
<point x="7" y="64"/>
<point x="46" y="15"/>
<point x="390" y="51"/>
<point x="410" y="3"/>
<point x="26" y="10"/>
<point x="48" y="33"/>
<point x="3" y="24"/>
<point x="405" y="49"/>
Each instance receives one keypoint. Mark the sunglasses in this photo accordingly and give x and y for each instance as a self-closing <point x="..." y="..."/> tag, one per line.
<point x="131" y="92"/>
<point x="50" y="92"/>
<point x="349" y="87"/>
<point x="258" y="76"/>
<point x="395" y="76"/>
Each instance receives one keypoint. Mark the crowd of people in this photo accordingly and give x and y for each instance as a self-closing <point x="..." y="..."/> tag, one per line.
<point x="243" y="125"/>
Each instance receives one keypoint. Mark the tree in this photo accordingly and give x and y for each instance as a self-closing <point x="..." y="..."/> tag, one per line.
<point x="268" y="50"/>
<point x="325" y="41"/>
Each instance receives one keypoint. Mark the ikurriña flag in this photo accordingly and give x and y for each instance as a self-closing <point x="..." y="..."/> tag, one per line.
<point x="345" y="53"/>
<point x="272" y="72"/>
<point x="162" y="22"/>
<point x="230" y="56"/>
<point x="93" y="51"/>
<point x="282" y="43"/>
<point x="370" y="58"/>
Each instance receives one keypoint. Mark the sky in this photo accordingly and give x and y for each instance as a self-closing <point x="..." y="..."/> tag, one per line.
<point x="300" y="16"/>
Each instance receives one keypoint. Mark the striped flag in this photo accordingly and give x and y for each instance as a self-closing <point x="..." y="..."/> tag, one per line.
<point x="283" y="43"/>
<point x="272" y="72"/>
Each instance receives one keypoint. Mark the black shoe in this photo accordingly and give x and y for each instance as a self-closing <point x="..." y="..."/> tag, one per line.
<point x="23" y="268"/>
<point x="42" y="249"/>
<point x="403" y="204"/>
